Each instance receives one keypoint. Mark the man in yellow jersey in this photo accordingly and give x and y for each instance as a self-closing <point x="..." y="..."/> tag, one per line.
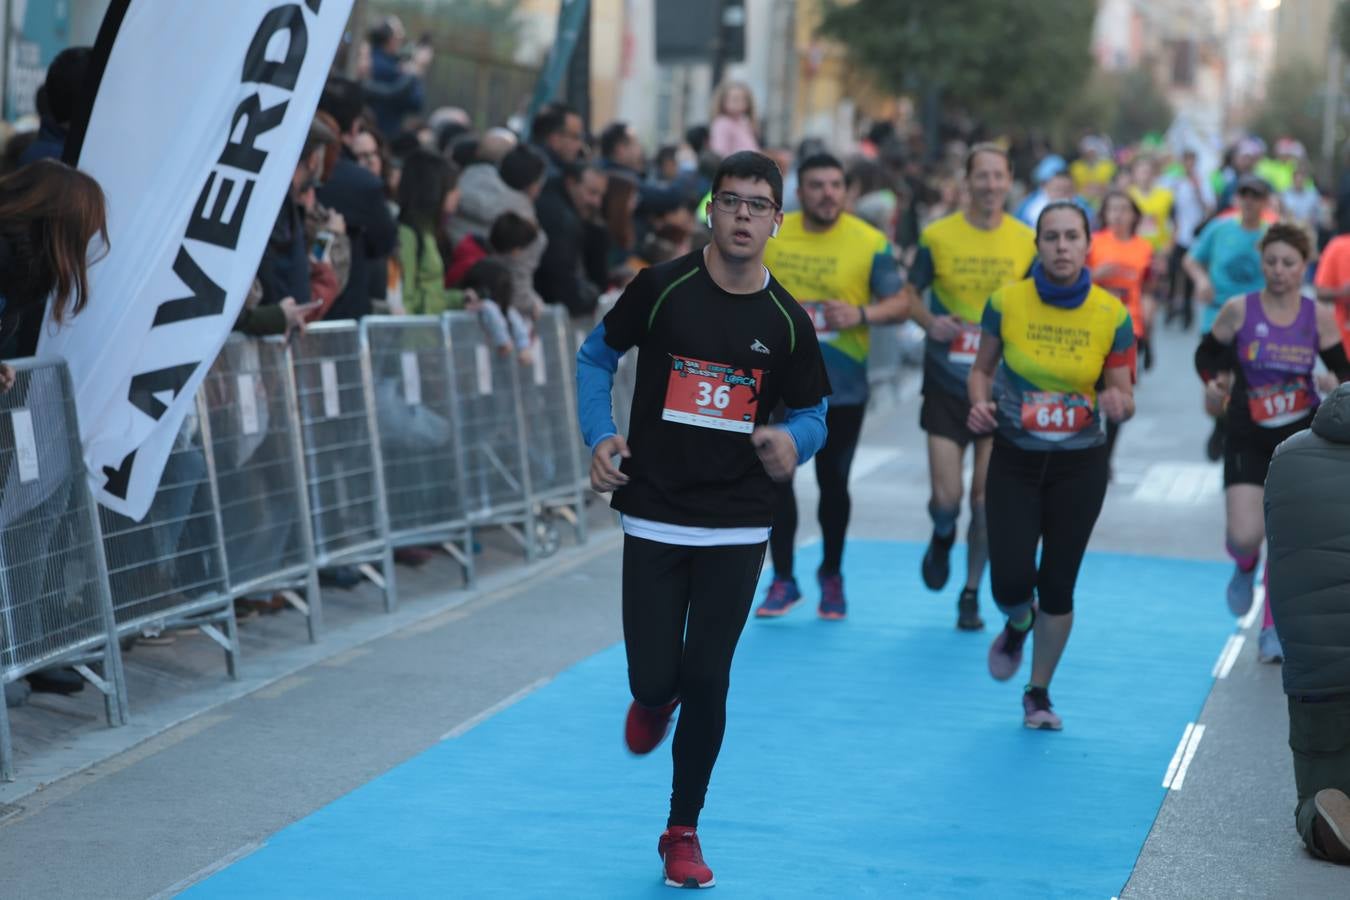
<point x="1155" y="204"/>
<point x="962" y="259"/>
<point x="1093" y="170"/>
<point x="843" y="272"/>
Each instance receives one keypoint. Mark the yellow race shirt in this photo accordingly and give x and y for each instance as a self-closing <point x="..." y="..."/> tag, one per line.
<point x="1156" y="225"/>
<point x="960" y="266"/>
<point x="1091" y="179"/>
<point x="852" y="262"/>
<point x="1046" y="387"/>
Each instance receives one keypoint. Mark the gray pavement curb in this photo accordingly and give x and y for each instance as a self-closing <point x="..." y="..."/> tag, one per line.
<point x="257" y="674"/>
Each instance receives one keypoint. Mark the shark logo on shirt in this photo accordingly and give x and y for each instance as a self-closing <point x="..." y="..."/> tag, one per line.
<point x="759" y="347"/>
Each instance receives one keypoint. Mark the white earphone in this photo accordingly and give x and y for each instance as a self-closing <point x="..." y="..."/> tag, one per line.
<point x="708" y="218"/>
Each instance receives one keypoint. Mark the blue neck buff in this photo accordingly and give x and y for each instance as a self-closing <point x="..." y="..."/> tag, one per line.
<point x="1065" y="296"/>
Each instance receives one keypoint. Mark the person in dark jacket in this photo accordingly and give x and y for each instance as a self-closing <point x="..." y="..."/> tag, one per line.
<point x="358" y="195"/>
<point x="574" y="268"/>
<point x="60" y="98"/>
<point x="395" y="88"/>
<point x="559" y="132"/>
<point x="1308" y="529"/>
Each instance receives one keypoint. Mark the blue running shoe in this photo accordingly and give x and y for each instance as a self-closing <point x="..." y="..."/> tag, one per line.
<point x="832" y="606"/>
<point x="783" y="595"/>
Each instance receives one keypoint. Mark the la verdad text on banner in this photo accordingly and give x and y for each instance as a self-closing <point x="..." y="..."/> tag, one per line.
<point x="195" y="132"/>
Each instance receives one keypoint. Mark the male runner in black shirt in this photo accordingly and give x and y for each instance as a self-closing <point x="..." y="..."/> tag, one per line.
<point x="721" y="344"/>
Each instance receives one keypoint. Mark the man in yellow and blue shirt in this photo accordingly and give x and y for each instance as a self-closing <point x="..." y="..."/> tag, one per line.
<point x="962" y="259"/>
<point x="843" y="272"/>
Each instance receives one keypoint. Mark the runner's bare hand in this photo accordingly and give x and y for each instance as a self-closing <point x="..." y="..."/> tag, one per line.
<point x="1204" y="291"/>
<point x="1217" y="389"/>
<point x="6" y="378"/>
<point x="1114" y="405"/>
<point x="981" y="419"/>
<point x="777" y="451"/>
<point x="944" y="329"/>
<point x="839" y="314"/>
<point x="605" y="476"/>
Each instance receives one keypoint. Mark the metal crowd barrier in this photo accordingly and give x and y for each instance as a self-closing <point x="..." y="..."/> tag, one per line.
<point x="625" y="383"/>
<point x="55" y="606"/>
<point x="418" y="433"/>
<point x="168" y="570"/>
<point x="255" y="458"/>
<point x="548" y="395"/>
<point x="343" y="470"/>
<point x="496" y="471"/>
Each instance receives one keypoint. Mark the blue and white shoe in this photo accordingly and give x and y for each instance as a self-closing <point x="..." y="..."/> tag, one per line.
<point x="1240" y="588"/>
<point x="782" y="596"/>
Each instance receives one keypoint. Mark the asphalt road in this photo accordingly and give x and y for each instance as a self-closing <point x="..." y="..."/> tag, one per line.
<point x="210" y="769"/>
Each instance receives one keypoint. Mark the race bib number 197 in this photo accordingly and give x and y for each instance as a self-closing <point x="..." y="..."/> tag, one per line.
<point x="1279" y="404"/>
<point x="712" y="395"/>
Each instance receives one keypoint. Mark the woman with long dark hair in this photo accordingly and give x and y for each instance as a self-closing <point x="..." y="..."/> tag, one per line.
<point x="428" y="192"/>
<point x="50" y="214"/>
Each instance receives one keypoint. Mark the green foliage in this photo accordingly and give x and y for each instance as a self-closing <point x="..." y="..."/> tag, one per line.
<point x="1009" y="62"/>
<point x="1125" y="105"/>
<point x="1293" y="106"/>
<point x="1341" y="25"/>
<point x="480" y="27"/>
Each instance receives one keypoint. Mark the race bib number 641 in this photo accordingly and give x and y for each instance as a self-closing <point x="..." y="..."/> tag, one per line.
<point x="1053" y="416"/>
<point x="712" y="395"/>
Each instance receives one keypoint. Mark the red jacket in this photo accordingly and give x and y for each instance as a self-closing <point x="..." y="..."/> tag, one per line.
<point x="467" y="252"/>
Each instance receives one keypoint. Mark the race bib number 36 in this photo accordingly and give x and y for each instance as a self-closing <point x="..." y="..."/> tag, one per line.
<point x="1279" y="404"/>
<point x="712" y="395"/>
<point x="1053" y="416"/>
<point x="966" y="345"/>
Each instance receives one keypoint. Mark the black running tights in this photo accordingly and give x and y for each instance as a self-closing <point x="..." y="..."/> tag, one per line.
<point x="683" y="612"/>
<point x="1051" y="498"/>
<point x="833" y="463"/>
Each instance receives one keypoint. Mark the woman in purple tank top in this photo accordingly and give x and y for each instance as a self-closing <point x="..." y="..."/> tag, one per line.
<point x="1260" y="355"/>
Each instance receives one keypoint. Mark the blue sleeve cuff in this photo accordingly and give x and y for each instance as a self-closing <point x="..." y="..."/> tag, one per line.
<point x="807" y="428"/>
<point x="885" y="279"/>
<point x="597" y="362"/>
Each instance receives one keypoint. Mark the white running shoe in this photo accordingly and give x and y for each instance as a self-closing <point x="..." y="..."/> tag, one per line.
<point x="1268" y="649"/>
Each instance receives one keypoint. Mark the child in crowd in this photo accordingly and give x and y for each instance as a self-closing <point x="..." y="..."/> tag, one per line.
<point x="488" y="283"/>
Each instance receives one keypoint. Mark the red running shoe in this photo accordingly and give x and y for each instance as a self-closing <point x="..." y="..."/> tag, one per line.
<point x="683" y="858"/>
<point x="646" y="728"/>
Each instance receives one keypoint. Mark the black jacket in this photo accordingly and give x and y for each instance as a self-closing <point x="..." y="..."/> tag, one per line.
<point x="359" y="196"/>
<point x="1308" y="528"/>
<point x="572" y="271"/>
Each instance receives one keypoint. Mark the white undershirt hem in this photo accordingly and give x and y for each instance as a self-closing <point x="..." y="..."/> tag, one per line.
<point x="691" y="535"/>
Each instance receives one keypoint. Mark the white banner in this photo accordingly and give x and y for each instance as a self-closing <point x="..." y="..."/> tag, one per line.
<point x="195" y="133"/>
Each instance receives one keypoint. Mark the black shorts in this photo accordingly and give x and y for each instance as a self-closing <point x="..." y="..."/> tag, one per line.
<point x="1247" y="452"/>
<point x="944" y="414"/>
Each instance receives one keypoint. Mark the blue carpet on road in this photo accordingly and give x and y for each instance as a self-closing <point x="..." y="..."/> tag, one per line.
<point x="872" y="757"/>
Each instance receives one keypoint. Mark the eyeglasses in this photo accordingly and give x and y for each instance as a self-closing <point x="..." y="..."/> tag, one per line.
<point x="731" y="203"/>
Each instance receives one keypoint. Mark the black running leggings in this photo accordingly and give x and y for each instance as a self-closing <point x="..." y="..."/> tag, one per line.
<point x="1051" y="498"/>
<point x="833" y="463"/>
<point x="683" y="612"/>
